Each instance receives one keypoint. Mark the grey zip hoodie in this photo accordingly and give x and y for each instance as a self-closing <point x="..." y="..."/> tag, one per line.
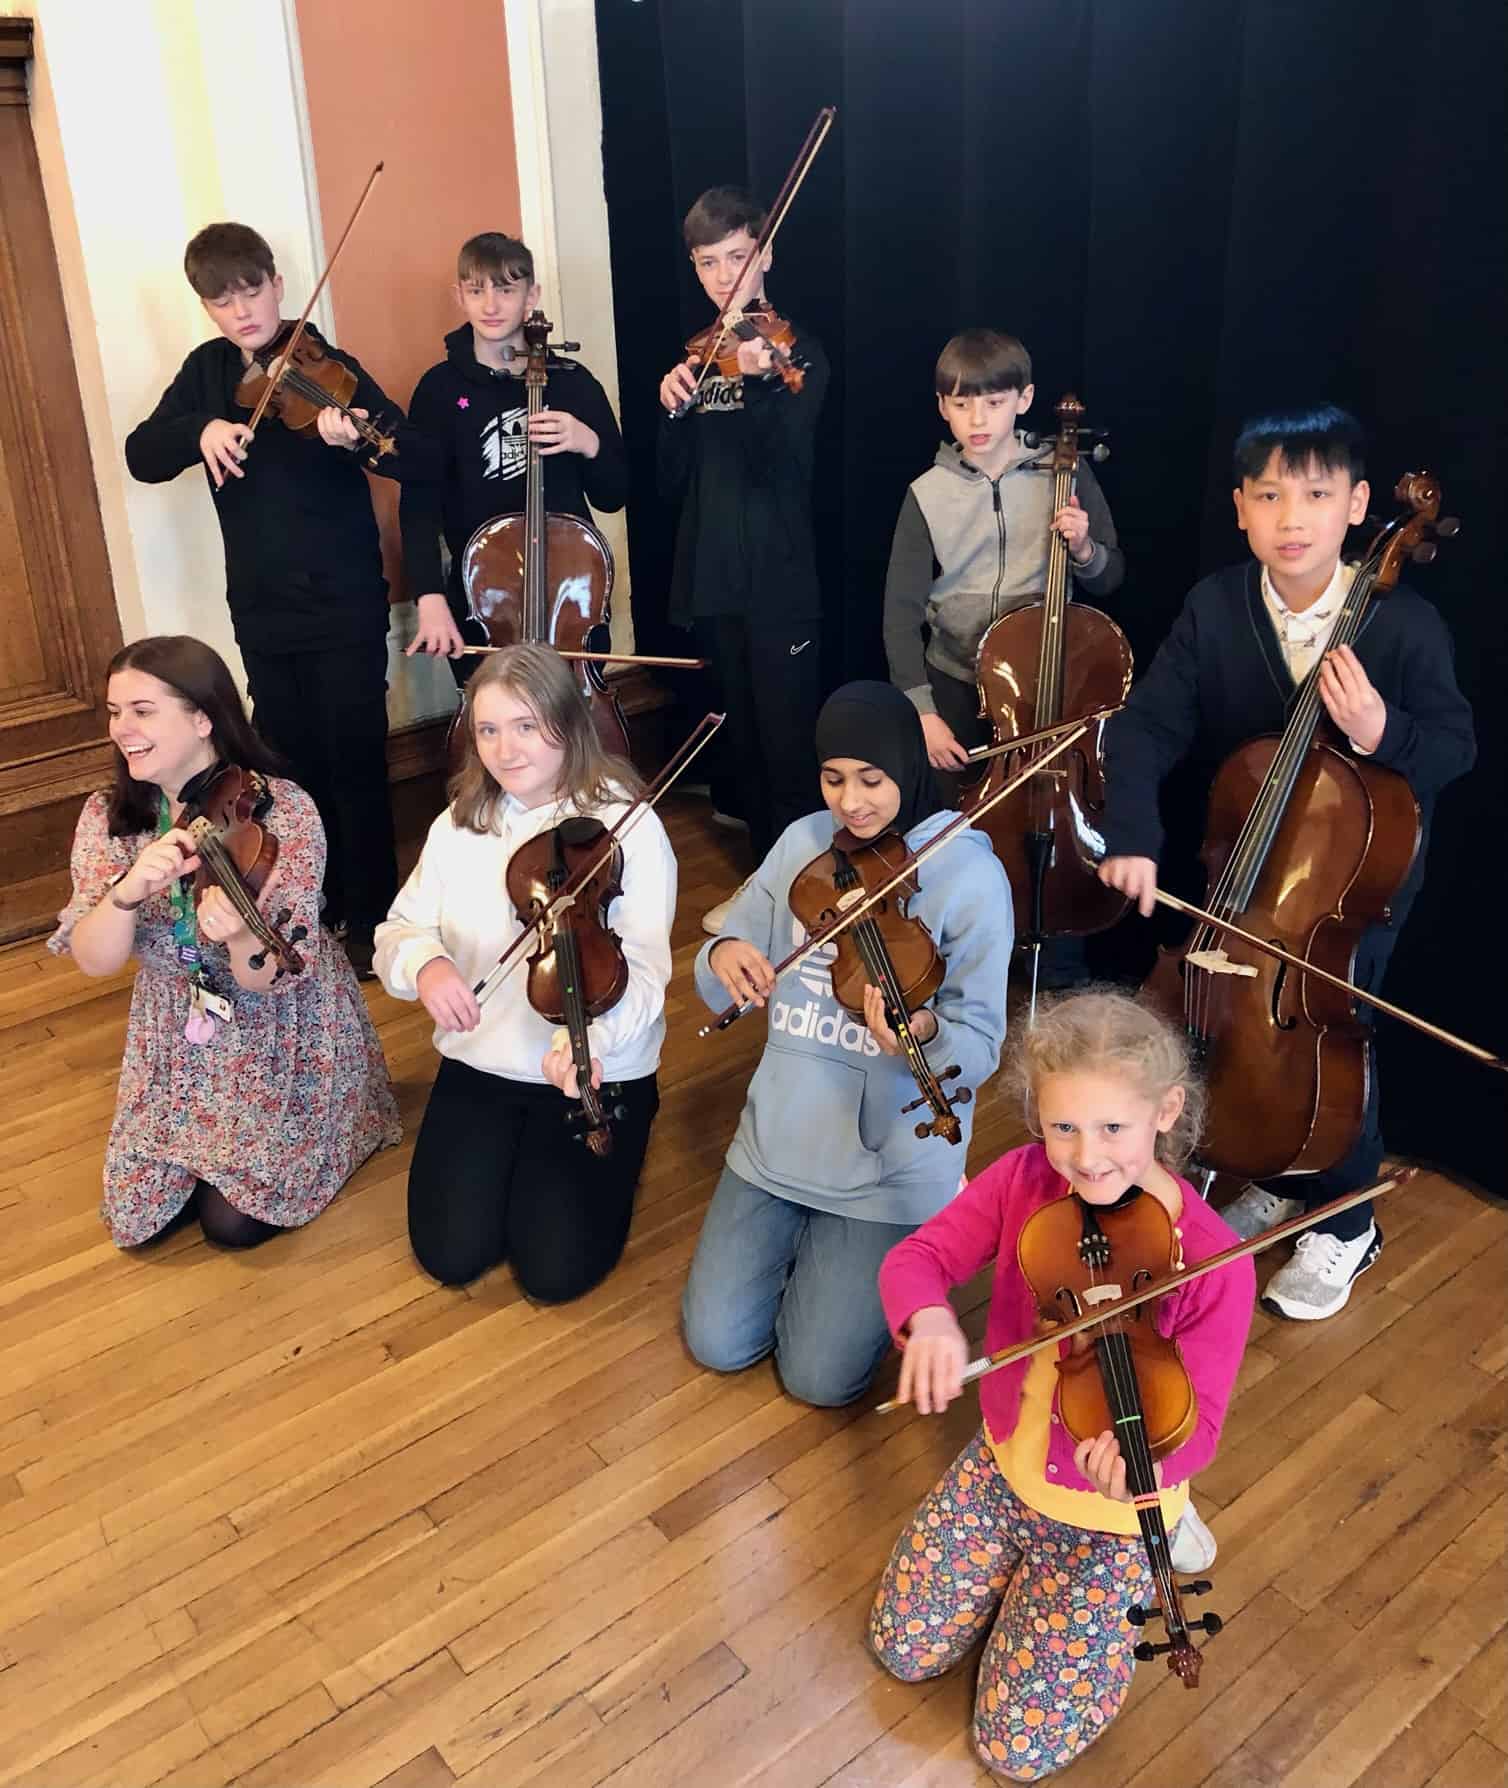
<point x="968" y="549"/>
<point x="822" y="1124"/>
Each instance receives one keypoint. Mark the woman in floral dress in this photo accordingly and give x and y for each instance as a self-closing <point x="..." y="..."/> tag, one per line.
<point x="244" y="1099"/>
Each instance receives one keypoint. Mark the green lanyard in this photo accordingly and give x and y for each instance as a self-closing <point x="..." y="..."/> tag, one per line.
<point x="181" y="899"/>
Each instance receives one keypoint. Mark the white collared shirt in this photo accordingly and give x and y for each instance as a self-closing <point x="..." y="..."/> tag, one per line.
<point x="1303" y="637"/>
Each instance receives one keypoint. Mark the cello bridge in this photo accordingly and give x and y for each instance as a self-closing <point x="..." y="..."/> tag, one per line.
<point x="1216" y="962"/>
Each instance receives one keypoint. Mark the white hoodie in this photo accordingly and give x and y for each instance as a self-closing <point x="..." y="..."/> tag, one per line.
<point x="456" y="904"/>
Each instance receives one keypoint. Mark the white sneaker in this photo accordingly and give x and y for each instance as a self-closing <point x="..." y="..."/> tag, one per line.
<point x="1191" y="1545"/>
<point x="1317" y="1281"/>
<point x="1256" y="1209"/>
<point x="715" y="918"/>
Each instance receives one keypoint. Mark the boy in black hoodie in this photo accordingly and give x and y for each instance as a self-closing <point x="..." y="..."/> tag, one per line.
<point x="473" y="409"/>
<point x="739" y="464"/>
<point x="303" y="566"/>
<point x="1247" y="640"/>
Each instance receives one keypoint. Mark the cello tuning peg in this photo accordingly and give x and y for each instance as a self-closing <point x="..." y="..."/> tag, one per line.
<point x="618" y="1113"/>
<point x="1424" y="552"/>
<point x="1448" y="527"/>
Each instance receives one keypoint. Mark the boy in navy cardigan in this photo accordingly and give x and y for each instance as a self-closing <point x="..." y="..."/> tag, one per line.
<point x="1247" y="638"/>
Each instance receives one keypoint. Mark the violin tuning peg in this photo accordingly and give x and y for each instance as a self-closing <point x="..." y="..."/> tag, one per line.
<point x="1136" y="1615"/>
<point x="1448" y="527"/>
<point x="258" y="962"/>
<point x="1424" y="553"/>
<point x="1201" y="1586"/>
<point x="298" y="934"/>
<point x="1210" y="1623"/>
<point x="283" y="917"/>
<point x="961" y="1097"/>
<point x="618" y="1113"/>
<point x="923" y="1131"/>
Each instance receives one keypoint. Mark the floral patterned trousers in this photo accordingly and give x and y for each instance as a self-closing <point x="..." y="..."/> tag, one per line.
<point x="1058" y="1663"/>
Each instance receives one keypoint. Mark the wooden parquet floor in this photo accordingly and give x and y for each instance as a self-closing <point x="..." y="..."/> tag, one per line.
<point x="303" y="1517"/>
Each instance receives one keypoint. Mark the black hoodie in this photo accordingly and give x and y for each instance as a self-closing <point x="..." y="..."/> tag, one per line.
<point x="474" y="419"/>
<point x="303" y="568"/>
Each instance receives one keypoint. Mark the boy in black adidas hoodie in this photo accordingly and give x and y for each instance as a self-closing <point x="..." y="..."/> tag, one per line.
<point x="303" y="565"/>
<point x="738" y="463"/>
<point x="473" y="409"/>
<point x="1247" y="639"/>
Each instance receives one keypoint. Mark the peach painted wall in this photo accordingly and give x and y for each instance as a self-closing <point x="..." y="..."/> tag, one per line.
<point x="425" y="90"/>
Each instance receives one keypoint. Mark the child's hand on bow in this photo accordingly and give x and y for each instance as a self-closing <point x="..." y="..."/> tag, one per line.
<point x="932" y="1363"/>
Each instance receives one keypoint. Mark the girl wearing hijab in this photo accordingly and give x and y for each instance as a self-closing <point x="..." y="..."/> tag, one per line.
<point x="825" y="1175"/>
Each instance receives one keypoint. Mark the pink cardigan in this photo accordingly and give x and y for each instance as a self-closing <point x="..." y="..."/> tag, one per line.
<point x="1209" y="1319"/>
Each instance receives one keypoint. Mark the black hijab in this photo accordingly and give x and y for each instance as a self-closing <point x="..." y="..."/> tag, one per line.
<point x="876" y="724"/>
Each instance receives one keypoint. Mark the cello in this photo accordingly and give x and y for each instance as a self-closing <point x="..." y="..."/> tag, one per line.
<point x="1305" y="847"/>
<point x="542" y="577"/>
<point x="1052" y="660"/>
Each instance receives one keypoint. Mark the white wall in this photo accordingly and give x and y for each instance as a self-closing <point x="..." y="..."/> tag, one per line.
<point x="146" y="129"/>
<point x="155" y="117"/>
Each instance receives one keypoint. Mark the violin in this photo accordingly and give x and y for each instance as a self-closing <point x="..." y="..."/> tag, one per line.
<point x="1054" y="659"/>
<point x="1306" y="847"/>
<point x="544" y="577"/>
<point x="1129" y="1380"/>
<point x="719" y="344"/>
<point x="237" y="854"/>
<point x="577" y="970"/>
<point x="859" y="901"/>
<point x="886" y="948"/>
<point x="304" y="380"/>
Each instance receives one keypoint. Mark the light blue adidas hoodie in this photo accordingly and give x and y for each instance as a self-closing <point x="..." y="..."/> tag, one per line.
<point x="822" y="1123"/>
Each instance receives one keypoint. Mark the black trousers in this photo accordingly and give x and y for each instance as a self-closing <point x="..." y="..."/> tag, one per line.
<point x="498" y="1175"/>
<point x="326" y="713"/>
<point x="767" y="678"/>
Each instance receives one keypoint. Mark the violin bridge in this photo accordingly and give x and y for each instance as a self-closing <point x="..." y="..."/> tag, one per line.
<point x="1216" y="962"/>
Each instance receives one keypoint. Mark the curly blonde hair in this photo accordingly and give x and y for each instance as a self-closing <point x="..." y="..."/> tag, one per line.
<point x="1100" y="1030"/>
<point x="547" y="686"/>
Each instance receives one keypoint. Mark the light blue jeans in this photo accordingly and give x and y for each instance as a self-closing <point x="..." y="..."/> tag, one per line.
<point x="775" y="1277"/>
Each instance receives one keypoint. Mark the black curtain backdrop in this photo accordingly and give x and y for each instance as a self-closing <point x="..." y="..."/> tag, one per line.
<point x="1187" y="213"/>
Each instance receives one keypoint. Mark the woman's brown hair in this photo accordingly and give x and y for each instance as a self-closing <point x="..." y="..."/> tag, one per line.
<point x="201" y="680"/>
<point x="1104" y="1031"/>
<point x="546" y="685"/>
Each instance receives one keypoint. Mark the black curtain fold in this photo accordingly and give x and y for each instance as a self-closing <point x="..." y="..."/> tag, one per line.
<point x="1187" y="213"/>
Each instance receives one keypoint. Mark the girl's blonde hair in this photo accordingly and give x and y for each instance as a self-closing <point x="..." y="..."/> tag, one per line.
<point x="1103" y="1031"/>
<point x="547" y="686"/>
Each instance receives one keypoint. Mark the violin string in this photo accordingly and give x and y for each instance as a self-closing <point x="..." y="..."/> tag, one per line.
<point x="1119" y="1372"/>
<point x="882" y="972"/>
<point x="568" y="957"/>
<point x="228" y="877"/>
<point x="535" y="625"/>
<point x="316" y="394"/>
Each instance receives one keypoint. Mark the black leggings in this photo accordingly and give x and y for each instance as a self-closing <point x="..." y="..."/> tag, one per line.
<point x="499" y="1175"/>
<point x="221" y="1222"/>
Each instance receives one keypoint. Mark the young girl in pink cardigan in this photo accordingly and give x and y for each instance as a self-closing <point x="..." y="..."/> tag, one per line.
<point x="1028" y="1537"/>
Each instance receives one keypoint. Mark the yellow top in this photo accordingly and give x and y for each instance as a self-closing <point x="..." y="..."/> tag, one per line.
<point x="1022" y="1458"/>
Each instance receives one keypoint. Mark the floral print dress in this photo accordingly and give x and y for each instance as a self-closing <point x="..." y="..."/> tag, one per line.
<point x="285" y="1102"/>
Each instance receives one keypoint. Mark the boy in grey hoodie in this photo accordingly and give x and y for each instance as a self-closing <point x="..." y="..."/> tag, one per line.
<point x="971" y="540"/>
<point x="825" y="1174"/>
